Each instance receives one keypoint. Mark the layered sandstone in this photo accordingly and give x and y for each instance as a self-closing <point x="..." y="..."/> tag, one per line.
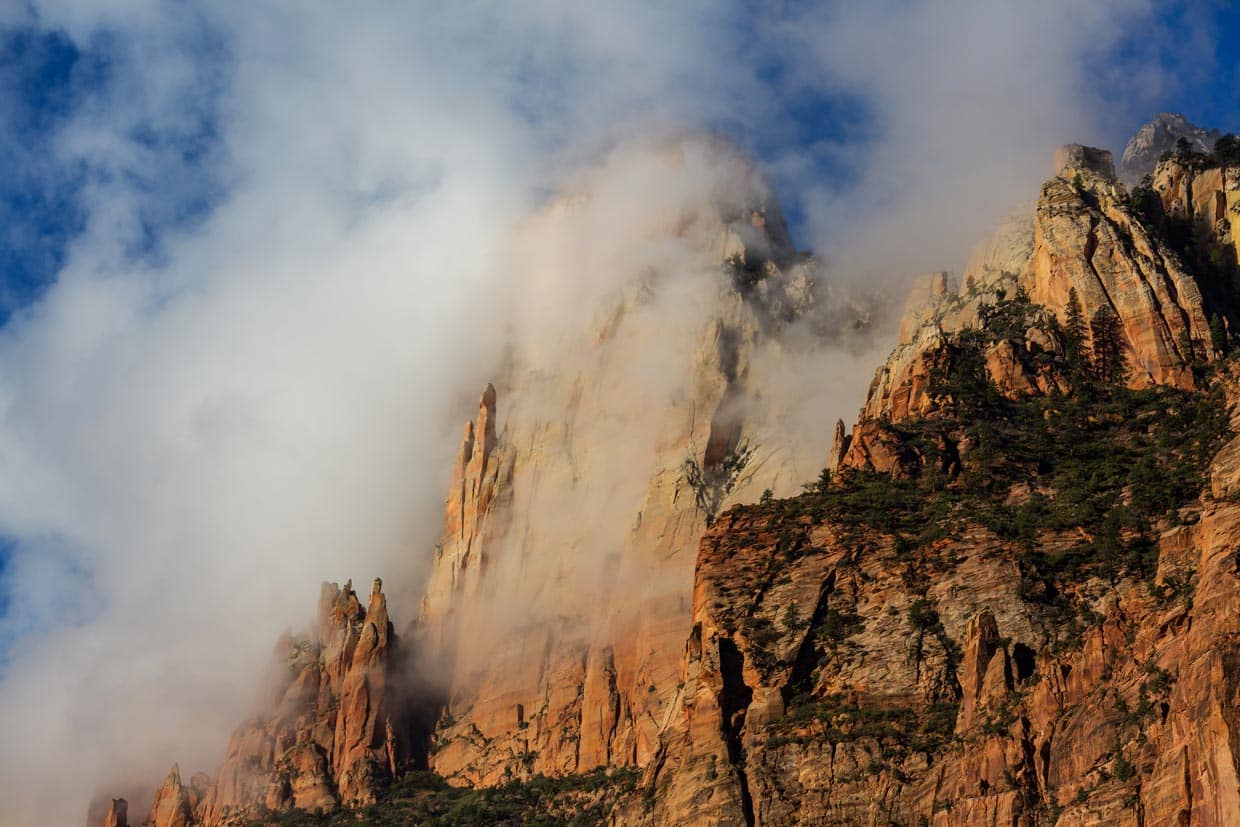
<point x="1209" y="197"/>
<point x="818" y="654"/>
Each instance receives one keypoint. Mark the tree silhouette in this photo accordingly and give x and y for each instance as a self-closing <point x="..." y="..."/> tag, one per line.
<point x="1227" y="150"/>
<point x="1076" y="341"/>
<point x="1109" y="361"/>
<point x="1218" y="335"/>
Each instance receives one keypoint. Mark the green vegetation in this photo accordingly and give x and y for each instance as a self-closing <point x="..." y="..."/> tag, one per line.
<point x="898" y="730"/>
<point x="423" y="798"/>
<point x="1075" y="481"/>
<point x="839" y="625"/>
<point x="1100" y="460"/>
<point x="1227" y="150"/>
<point x="712" y="483"/>
<point x="1226" y="153"/>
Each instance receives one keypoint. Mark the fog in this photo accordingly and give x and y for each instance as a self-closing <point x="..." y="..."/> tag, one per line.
<point x="252" y="370"/>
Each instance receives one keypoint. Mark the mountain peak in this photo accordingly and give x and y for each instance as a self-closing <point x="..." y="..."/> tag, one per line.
<point x="1157" y="136"/>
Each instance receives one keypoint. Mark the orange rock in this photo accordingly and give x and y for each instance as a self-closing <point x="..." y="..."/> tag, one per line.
<point x="1140" y="718"/>
<point x="171" y="807"/>
<point x="326" y="738"/>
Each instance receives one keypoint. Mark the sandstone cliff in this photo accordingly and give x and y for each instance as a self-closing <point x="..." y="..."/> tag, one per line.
<point x="938" y="637"/>
<point x="1086" y="239"/>
<point x="879" y="652"/>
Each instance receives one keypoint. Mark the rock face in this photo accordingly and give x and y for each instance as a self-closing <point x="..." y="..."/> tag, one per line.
<point x="1089" y="240"/>
<point x="551" y="627"/>
<point x="1084" y="239"/>
<point x="561" y="586"/>
<point x="833" y="678"/>
<point x="1159" y="136"/>
<point x="118" y="814"/>
<point x="1073" y="159"/>
<point x="327" y="734"/>
<point x="1209" y="198"/>
<point x="174" y="803"/>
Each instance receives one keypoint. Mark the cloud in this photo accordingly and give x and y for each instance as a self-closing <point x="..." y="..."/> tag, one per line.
<point x="290" y="285"/>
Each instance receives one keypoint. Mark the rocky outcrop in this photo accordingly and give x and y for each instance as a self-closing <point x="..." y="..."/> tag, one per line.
<point x="1088" y="240"/>
<point x="1208" y="197"/>
<point x="832" y="677"/>
<point x="174" y="803"/>
<point x="1160" y="136"/>
<point x="1085" y="239"/>
<point x="1075" y="159"/>
<point x="117" y="814"/>
<point x="477" y="475"/>
<point x="326" y="736"/>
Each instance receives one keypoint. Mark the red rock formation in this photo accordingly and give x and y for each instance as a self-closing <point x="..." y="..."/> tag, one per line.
<point x="1085" y="239"/>
<point x="173" y="805"/>
<point x="327" y="737"/>
<point x="1140" y="718"/>
<point x="829" y="676"/>
<point x="775" y="724"/>
<point x="480" y="474"/>
<point x="1088" y="240"/>
<point x="560" y="589"/>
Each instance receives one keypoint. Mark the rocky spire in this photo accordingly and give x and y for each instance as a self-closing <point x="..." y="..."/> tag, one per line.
<point x="171" y="807"/>
<point x="327" y="737"/>
<point x="118" y="814"/>
<point x="839" y="447"/>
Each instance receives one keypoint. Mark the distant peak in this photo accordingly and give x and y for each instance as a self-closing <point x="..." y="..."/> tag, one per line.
<point x="1161" y="134"/>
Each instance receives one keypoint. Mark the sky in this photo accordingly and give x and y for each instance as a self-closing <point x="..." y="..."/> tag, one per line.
<point x="252" y="274"/>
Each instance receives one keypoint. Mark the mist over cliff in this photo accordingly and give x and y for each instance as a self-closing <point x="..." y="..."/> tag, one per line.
<point x="203" y="419"/>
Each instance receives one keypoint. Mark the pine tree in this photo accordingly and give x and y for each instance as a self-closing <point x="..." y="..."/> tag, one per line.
<point x="1227" y="150"/>
<point x="1218" y="335"/>
<point x="1110" y="362"/>
<point x="1076" y="343"/>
